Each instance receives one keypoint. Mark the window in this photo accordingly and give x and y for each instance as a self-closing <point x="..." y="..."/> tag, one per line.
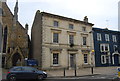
<point x="29" y="69"/>
<point x="115" y="48"/>
<point x="1" y="11"/>
<point x="56" y="24"/>
<point x="85" y="58"/>
<point x="71" y="26"/>
<point x="55" y="58"/>
<point x="106" y="37"/>
<point x="99" y="37"/>
<point x="84" y="29"/>
<point x="55" y="37"/>
<point x="103" y="59"/>
<point x="104" y="47"/>
<point x="114" y="38"/>
<point x="84" y="41"/>
<point x="71" y="39"/>
<point x="5" y="40"/>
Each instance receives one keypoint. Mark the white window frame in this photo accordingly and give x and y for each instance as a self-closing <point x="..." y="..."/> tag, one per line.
<point x="83" y="40"/>
<point x="104" y="45"/>
<point x="99" y="38"/>
<point x="53" y="59"/>
<point x="53" y="38"/>
<point x="71" y="39"/>
<point x="107" y="37"/>
<point x="86" y="58"/>
<point x="114" y="38"/>
<point x="114" y="47"/>
<point x="104" y="59"/>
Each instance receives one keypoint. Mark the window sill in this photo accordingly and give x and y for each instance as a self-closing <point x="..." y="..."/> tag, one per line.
<point x="86" y="65"/>
<point x="55" y="65"/>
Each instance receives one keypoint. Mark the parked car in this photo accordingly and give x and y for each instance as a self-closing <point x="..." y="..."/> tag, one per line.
<point x="31" y="62"/>
<point x="25" y="72"/>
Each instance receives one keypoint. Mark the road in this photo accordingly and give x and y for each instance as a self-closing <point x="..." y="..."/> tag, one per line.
<point x="82" y="78"/>
<point x="74" y="80"/>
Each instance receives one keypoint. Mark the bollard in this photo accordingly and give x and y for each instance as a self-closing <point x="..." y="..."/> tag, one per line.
<point x="75" y="71"/>
<point x="92" y="69"/>
<point x="64" y="72"/>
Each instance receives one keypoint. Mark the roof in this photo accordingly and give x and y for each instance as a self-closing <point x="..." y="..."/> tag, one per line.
<point x="65" y="18"/>
<point x="105" y="30"/>
<point x="4" y="4"/>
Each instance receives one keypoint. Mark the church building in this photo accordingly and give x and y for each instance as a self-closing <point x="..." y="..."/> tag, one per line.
<point x="14" y="46"/>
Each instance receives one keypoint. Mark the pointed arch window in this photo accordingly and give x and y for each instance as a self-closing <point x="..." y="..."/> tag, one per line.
<point x="5" y="39"/>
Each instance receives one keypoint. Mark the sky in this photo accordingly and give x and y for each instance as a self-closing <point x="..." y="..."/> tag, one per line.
<point x="102" y="13"/>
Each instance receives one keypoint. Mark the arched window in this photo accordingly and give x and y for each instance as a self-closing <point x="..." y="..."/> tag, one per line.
<point x="5" y="39"/>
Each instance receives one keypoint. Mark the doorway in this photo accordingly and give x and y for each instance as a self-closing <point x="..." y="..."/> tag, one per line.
<point x="72" y="61"/>
<point x="16" y="59"/>
<point x="116" y="59"/>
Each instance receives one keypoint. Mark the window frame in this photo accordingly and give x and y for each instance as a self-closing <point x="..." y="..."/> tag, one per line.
<point x="114" y="47"/>
<point x="55" y="39"/>
<point x="84" y="29"/>
<point x="114" y="38"/>
<point x="55" y="63"/>
<point x="107" y="37"/>
<point x="103" y="59"/>
<point x="85" y="58"/>
<point x="99" y="38"/>
<point x="84" y="42"/>
<point x="71" y="39"/>
<point x="103" y="47"/>
<point x="71" y="26"/>
<point x="55" y="23"/>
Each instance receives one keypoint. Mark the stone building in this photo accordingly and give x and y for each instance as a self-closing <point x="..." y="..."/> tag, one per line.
<point x="15" y="37"/>
<point x="61" y="42"/>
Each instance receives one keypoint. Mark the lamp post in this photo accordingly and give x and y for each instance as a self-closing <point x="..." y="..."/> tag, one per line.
<point x="92" y="52"/>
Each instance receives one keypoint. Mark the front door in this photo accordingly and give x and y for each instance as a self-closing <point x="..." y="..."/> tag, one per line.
<point x="116" y="59"/>
<point x="72" y="60"/>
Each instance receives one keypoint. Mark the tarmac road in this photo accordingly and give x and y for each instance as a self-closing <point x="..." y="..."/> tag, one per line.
<point x="74" y="80"/>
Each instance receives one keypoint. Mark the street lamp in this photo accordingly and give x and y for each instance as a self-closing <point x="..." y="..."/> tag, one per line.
<point x="92" y="52"/>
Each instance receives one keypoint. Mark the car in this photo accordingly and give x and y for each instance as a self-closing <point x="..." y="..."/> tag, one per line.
<point x="25" y="72"/>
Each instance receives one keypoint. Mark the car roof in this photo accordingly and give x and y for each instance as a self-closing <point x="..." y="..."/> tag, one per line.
<point x="21" y="67"/>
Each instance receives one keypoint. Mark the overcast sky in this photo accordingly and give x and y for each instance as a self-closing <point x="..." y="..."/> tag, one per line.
<point x="102" y="13"/>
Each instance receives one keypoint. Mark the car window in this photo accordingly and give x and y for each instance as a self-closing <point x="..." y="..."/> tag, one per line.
<point x="29" y="69"/>
<point x="17" y="69"/>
